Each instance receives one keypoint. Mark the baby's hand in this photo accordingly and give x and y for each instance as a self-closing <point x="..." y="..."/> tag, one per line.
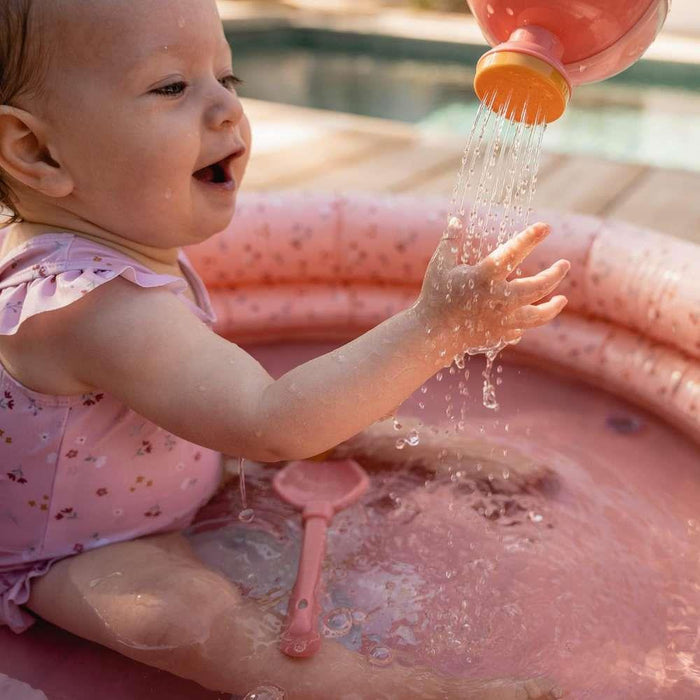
<point x="475" y="306"/>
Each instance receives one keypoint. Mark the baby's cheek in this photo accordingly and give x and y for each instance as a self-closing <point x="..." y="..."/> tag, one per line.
<point x="247" y="139"/>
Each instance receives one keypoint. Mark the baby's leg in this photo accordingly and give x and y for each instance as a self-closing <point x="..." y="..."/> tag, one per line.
<point x="152" y="600"/>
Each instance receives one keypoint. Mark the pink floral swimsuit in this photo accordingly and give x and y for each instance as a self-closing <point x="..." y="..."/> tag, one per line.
<point x="79" y="472"/>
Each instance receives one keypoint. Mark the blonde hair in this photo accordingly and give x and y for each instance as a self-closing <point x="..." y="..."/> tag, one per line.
<point x="21" y="70"/>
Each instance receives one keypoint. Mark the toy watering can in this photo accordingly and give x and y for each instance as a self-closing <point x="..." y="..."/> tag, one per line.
<point x="542" y="48"/>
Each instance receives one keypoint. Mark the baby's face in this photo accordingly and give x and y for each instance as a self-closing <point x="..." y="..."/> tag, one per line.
<point x="140" y="101"/>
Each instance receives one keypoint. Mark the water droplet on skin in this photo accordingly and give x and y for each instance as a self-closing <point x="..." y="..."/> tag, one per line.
<point x="397" y="425"/>
<point x="535" y="517"/>
<point x="438" y="377"/>
<point x="424" y="389"/>
<point x="400" y="444"/>
<point x="247" y="515"/>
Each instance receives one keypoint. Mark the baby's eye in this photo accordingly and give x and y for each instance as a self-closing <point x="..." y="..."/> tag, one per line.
<point x="230" y="82"/>
<point x="171" y="90"/>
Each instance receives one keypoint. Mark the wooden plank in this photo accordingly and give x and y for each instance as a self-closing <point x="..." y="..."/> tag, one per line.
<point x="294" y="166"/>
<point x="263" y="111"/>
<point x="390" y="170"/>
<point x="585" y="184"/>
<point x="664" y="200"/>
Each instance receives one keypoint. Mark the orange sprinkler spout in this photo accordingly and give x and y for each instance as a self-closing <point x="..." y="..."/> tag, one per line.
<point x="526" y="88"/>
<point x="524" y="78"/>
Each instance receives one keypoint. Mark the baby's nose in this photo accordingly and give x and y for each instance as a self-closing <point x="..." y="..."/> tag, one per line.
<point x="226" y="110"/>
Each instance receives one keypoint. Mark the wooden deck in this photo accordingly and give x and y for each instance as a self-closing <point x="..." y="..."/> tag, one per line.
<point x="301" y="148"/>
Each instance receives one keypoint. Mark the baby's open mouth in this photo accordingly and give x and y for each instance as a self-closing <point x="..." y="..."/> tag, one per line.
<point x="218" y="173"/>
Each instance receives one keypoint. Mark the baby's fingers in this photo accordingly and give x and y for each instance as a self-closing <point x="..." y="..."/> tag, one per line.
<point x="532" y="316"/>
<point x="499" y="264"/>
<point x="532" y="289"/>
<point x="446" y="255"/>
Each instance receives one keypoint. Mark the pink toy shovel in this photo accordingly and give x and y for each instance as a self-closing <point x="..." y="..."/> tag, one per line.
<point x="320" y="489"/>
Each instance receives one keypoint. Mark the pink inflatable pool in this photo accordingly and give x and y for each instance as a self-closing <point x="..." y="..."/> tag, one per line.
<point x="560" y="537"/>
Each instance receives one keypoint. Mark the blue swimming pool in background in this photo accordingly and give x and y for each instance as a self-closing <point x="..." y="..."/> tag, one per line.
<point x="650" y="114"/>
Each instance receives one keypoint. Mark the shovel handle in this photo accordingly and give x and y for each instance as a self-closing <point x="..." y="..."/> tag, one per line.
<point x="301" y="636"/>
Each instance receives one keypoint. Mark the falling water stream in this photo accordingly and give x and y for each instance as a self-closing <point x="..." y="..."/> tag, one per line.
<point x="498" y="176"/>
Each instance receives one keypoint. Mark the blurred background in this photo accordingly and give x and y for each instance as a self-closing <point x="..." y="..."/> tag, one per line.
<point x="627" y="147"/>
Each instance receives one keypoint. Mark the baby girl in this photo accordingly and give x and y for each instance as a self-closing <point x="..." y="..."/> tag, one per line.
<point x="122" y="139"/>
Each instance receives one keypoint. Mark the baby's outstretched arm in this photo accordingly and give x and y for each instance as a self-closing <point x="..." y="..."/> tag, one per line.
<point x="146" y="348"/>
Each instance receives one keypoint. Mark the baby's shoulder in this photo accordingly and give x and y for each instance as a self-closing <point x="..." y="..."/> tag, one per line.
<point x="54" y="297"/>
<point x="67" y="303"/>
<point x="40" y="353"/>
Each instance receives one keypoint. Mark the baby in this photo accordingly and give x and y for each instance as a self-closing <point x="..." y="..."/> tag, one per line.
<point x="122" y="139"/>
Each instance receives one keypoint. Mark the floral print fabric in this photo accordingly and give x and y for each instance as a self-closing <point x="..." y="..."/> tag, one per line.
<point x="79" y="472"/>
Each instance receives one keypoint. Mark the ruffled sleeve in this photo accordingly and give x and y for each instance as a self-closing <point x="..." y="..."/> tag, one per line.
<point x="51" y="272"/>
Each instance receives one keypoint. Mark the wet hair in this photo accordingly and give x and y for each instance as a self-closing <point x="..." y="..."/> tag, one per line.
<point x="21" y="70"/>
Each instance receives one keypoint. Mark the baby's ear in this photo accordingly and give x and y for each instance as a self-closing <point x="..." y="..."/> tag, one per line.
<point x="26" y="156"/>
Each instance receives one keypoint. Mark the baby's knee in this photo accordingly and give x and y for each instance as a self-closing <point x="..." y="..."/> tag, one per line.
<point x="176" y="614"/>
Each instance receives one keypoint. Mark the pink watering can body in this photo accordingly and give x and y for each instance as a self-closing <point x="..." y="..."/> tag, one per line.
<point x="558" y="44"/>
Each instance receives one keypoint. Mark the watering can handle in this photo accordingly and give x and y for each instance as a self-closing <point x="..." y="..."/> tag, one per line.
<point x="301" y="636"/>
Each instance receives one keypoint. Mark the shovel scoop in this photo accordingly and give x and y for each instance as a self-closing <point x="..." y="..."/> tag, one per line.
<point x="319" y="490"/>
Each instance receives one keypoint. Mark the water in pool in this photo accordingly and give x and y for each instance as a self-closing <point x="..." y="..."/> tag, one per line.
<point x="529" y="555"/>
